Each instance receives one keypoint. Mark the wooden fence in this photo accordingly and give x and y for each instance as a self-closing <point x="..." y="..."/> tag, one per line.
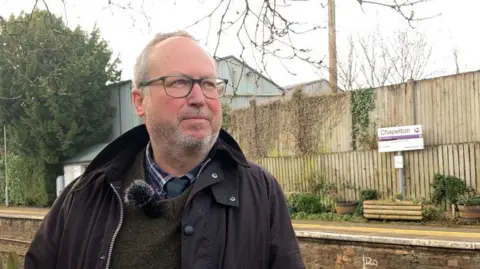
<point x="447" y="107"/>
<point x="371" y="169"/>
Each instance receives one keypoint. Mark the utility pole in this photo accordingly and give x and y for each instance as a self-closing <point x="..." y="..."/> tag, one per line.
<point x="5" y="159"/>
<point x="332" y="46"/>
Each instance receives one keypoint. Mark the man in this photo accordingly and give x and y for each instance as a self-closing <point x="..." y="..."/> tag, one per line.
<point x="176" y="192"/>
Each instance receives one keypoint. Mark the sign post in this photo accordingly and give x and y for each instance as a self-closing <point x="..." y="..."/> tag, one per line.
<point x="399" y="139"/>
<point x="401" y="181"/>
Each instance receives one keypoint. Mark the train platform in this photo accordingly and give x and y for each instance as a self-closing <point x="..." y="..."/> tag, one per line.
<point x="462" y="237"/>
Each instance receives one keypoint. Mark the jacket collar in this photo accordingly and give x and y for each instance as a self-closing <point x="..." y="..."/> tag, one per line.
<point x="117" y="155"/>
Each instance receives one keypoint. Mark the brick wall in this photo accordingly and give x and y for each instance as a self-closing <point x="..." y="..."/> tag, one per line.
<point x="19" y="231"/>
<point x="336" y="254"/>
<point x="18" y="228"/>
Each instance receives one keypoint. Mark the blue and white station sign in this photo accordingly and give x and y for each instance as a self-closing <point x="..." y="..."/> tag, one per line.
<point x="400" y="138"/>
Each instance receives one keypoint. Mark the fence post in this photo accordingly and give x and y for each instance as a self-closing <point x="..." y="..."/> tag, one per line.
<point x="411" y="87"/>
<point x="411" y="96"/>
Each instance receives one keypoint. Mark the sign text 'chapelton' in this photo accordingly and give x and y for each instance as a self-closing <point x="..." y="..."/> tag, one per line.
<point x="395" y="131"/>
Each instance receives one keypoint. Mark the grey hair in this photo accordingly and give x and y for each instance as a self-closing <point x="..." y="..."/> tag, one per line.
<point x="140" y="71"/>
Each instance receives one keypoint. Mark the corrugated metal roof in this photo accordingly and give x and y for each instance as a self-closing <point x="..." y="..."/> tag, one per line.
<point x="87" y="155"/>
<point x="240" y="62"/>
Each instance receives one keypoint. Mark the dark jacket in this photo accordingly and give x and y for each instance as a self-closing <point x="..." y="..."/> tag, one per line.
<point x="237" y="211"/>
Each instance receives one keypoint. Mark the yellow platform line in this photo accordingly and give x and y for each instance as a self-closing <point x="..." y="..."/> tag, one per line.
<point x="24" y="212"/>
<point x="324" y="228"/>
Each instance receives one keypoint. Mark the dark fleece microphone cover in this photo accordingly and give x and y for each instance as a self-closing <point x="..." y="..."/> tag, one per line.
<point x="142" y="195"/>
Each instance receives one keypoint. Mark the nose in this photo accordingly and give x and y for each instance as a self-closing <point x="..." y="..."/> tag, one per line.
<point x="196" y="97"/>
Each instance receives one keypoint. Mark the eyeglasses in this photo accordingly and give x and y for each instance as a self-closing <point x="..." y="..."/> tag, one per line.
<point x="181" y="86"/>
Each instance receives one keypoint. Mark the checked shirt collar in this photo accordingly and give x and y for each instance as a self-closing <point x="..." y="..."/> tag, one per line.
<point x="157" y="178"/>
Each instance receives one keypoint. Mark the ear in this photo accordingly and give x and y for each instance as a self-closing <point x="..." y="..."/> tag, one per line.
<point x="137" y="97"/>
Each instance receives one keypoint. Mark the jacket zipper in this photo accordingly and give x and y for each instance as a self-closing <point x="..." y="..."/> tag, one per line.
<point x="110" y="250"/>
<point x="196" y="178"/>
<point x="201" y="168"/>
<point x="198" y="175"/>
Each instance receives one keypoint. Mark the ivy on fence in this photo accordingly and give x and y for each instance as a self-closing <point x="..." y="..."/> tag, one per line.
<point x="361" y="103"/>
<point x="300" y="125"/>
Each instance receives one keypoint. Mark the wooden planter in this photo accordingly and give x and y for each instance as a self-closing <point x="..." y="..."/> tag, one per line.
<point x="389" y="210"/>
<point x="469" y="212"/>
<point x="343" y="208"/>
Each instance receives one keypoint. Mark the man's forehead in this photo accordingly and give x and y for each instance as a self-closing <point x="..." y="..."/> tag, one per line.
<point x="180" y="52"/>
<point x="178" y="46"/>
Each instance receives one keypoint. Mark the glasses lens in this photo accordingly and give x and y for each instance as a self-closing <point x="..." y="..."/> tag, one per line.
<point x="177" y="86"/>
<point x="213" y="88"/>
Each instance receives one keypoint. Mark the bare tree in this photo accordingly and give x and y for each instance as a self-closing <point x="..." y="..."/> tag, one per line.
<point x="274" y="32"/>
<point x="348" y="70"/>
<point x="377" y="60"/>
<point x="409" y="57"/>
<point x="367" y="60"/>
<point x="262" y="26"/>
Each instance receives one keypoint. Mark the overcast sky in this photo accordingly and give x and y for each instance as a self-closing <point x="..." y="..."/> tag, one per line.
<point x="128" y="31"/>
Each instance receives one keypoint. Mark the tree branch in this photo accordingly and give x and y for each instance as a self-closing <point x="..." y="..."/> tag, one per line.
<point x="399" y="7"/>
<point x="381" y="60"/>
<point x="275" y="33"/>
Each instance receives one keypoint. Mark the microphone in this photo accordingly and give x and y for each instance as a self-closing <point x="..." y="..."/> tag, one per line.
<point x="142" y="195"/>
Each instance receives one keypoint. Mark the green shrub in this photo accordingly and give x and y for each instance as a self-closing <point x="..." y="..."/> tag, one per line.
<point x="475" y="200"/>
<point x="431" y="213"/>
<point x="31" y="181"/>
<point x="291" y="197"/>
<point x="447" y="189"/>
<point x="369" y="194"/>
<point x="308" y="203"/>
<point x="326" y="216"/>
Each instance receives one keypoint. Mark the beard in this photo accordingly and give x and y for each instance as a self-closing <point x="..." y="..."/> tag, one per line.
<point x="176" y="142"/>
<point x="193" y="143"/>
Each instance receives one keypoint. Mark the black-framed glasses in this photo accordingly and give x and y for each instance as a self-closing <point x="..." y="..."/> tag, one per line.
<point x="181" y="86"/>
